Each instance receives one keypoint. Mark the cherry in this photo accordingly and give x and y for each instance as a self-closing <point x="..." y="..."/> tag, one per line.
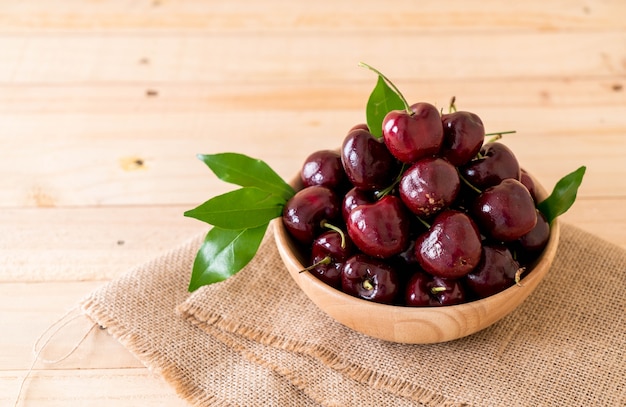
<point x="424" y="289"/>
<point x="496" y="271"/>
<point x="506" y="211"/>
<point x="429" y="185"/>
<point x="529" y="183"/>
<point x="451" y="247"/>
<point x="352" y="199"/>
<point x="380" y="229"/>
<point x="411" y="136"/>
<point x="366" y="161"/>
<point x="324" y="168"/>
<point x="463" y="136"/>
<point x="370" y="279"/>
<point x="496" y="162"/>
<point x="328" y="252"/>
<point x="532" y="243"/>
<point x="305" y="211"/>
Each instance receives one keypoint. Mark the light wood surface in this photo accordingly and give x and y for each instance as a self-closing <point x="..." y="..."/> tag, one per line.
<point x="104" y="105"/>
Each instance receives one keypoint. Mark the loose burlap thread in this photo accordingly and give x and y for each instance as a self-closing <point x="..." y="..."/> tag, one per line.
<point x="256" y="339"/>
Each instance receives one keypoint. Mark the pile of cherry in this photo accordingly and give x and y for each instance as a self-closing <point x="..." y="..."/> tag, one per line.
<point x="433" y="213"/>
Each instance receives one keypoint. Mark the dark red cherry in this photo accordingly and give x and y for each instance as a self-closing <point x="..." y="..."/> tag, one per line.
<point x="328" y="253"/>
<point x="495" y="272"/>
<point x="429" y="186"/>
<point x="370" y="279"/>
<point x="305" y="211"/>
<point x="380" y="229"/>
<point x="352" y="199"/>
<point x="463" y="136"/>
<point x="506" y="211"/>
<point x="324" y="168"/>
<point x="532" y="243"/>
<point x="367" y="162"/>
<point x="529" y="183"/>
<point x="451" y="248"/>
<point x="496" y="163"/>
<point x="425" y="290"/>
<point x="410" y="137"/>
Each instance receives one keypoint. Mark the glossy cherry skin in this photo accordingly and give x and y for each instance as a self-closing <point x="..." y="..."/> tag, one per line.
<point x="506" y="211"/>
<point x="496" y="164"/>
<point x="425" y="290"/>
<point x="429" y="186"/>
<point x="324" y="168"/>
<point x="380" y="229"/>
<point x="451" y="248"/>
<point x="371" y="279"/>
<point x="463" y="136"/>
<point x="367" y="162"/>
<point x="353" y="198"/>
<point x="305" y="211"/>
<point x="532" y="243"/>
<point x="410" y="137"/>
<point x="495" y="272"/>
<point x="529" y="183"/>
<point x="329" y="255"/>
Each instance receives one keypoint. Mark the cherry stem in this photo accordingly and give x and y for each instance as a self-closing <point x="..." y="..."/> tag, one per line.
<point x="469" y="184"/>
<point x="518" y="276"/>
<point x="327" y="225"/>
<point x="383" y="193"/>
<point x="325" y="260"/>
<point x="437" y="290"/>
<point x="452" y="107"/>
<point x="423" y="222"/>
<point x="367" y="284"/>
<point x="407" y="107"/>
<point x="498" y="135"/>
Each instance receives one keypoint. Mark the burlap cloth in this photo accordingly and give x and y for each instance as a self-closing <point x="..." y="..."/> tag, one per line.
<point x="255" y="339"/>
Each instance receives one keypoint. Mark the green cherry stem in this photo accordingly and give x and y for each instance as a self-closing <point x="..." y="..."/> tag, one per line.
<point x="423" y="222"/>
<point x="384" y="192"/>
<point x="469" y="184"/>
<point x="325" y="260"/>
<point x="497" y="136"/>
<point x="452" y="107"/>
<point x="436" y="290"/>
<point x="327" y="225"/>
<point x="407" y="107"/>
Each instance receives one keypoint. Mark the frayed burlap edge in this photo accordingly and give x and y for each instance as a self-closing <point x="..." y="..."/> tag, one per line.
<point x="151" y="357"/>
<point x="230" y="338"/>
<point x="213" y="324"/>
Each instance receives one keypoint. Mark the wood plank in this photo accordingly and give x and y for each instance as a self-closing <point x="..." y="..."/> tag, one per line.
<point x="213" y="16"/>
<point x="94" y="388"/>
<point x="260" y="56"/>
<point x="50" y="166"/>
<point x="102" y="243"/>
<point x="170" y="97"/>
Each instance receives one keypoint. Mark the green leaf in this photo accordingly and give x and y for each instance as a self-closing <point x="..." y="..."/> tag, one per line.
<point x="246" y="171"/>
<point x="563" y="195"/>
<point x="382" y="100"/>
<point x="242" y="208"/>
<point x="223" y="254"/>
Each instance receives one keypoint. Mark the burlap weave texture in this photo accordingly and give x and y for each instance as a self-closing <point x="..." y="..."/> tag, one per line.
<point x="255" y="339"/>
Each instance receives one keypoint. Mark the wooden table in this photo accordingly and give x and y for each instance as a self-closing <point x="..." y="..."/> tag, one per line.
<point x="104" y="105"/>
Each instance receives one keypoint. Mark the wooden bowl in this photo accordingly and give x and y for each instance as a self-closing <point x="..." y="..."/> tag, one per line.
<point x="416" y="325"/>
